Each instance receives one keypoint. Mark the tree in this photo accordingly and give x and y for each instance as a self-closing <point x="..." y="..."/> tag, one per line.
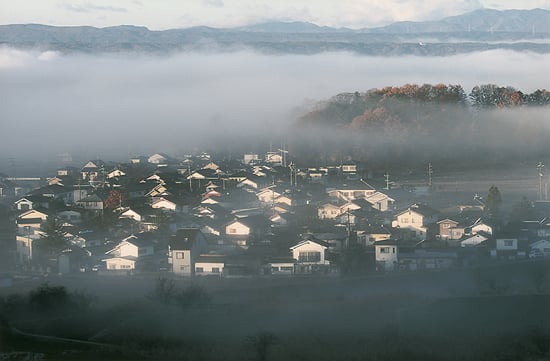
<point x="494" y="200"/>
<point x="115" y="199"/>
<point x="52" y="240"/>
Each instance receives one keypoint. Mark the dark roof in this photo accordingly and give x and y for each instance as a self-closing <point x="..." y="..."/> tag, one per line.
<point x="184" y="238"/>
<point x="211" y="258"/>
<point x="422" y="209"/>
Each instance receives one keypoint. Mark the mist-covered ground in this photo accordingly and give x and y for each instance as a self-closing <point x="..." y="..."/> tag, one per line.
<point x="120" y="105"/>
<point x="417" y="316"/>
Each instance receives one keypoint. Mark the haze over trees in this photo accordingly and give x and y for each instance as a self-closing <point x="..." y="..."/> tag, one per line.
<point x="418" y="122"/>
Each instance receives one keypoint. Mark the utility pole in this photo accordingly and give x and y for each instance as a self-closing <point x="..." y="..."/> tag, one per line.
<point x="387" y="176"/>
<point x="540" y="168"/>
<point x="291" y="166"/>
<point x="430" y="173"/>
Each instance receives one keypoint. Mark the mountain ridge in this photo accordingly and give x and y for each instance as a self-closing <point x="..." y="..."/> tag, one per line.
<point x="517" y="30"/>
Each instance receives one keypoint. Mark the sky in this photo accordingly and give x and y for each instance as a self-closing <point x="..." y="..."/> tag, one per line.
<point x="166" y="14"/>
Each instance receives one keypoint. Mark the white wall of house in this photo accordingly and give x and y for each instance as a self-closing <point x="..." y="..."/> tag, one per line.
<point x="386" y="255"/>
<point x="237" y="229"/>
<point x="209" y="268"/>
<point x="119" y="263"/>
<point x="164" y="204"/>
<point x="181" y="262"/>
<point x="542" y="246"/>
<point x="507" y="244"/>
<point x="309" y="252"/>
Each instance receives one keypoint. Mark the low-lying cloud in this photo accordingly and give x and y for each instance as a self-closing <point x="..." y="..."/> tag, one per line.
<point x="115" y="106"/>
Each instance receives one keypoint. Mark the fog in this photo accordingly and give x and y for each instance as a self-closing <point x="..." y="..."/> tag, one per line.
<point x="119" y="105"/>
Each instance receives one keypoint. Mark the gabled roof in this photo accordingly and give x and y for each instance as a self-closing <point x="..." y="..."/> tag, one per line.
<point x="421" y="209"/>
<point x="359" y="185"/>
<point x="210" y="258"/>
<point x="306" y="242"/>
<point x="93" y="165"/>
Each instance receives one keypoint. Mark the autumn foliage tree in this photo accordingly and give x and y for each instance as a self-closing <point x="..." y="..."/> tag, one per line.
<point x="115" y="199"/>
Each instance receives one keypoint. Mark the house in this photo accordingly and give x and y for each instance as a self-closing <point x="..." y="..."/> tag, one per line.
<point x="473" y="240"/>
<point x="253" y="224"/>
<point x="449" y="229"/>
<point x="210" y="265"/>
<point x="29" y="223"/>
<point x="386" y="255"/>
<point x="184" y="249"/>
<point x="349" y="170"/>
<point x="541" y="248"/>
<point x="31" y="202"/>
<point x="310" y="257"/>
<point x="279" y="266"/>
<point x="120" y="263"/>
<point x="74" y="217"/>
<point x="507" y="249"/>
<point x="352" y="190"/>
<point x="381" y="202"/>
<point x="427" y="259"/>
<point x="268" y="195"/>
<point x="373" y="234"/>
<point x="333" y="210"/>
<point x="164" y="204"/>
<point x="417" y="218"/>
<point x="274" y="158"/>
<point x="91" y="202"/>
<point x="132" y="246"/>
<point x="92" y="170"/>
<point x="126" y="254"/>
<point x="129" y="213"/>
<point x="158" y="158"/>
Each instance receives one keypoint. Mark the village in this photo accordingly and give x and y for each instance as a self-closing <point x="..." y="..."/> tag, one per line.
<point x="258" y="216"/>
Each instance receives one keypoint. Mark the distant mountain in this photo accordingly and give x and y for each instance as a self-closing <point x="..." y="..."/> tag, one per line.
<point x="517" y="30"/>
<point x="291" y="27"/>
<point x="483" y="20"/>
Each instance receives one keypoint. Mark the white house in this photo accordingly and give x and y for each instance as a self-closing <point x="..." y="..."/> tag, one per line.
<point x="130" y="214"/>
<point x="237" y="228"/>
<point x="120" y="263"/>
<point x="416" y="218"/>
<point x="132" y="246"/>
<point x="506" y="248"/>
<point x="473" y="240"/>
<point x="29" y="222"/>
<point x="310" y="256"/>
<point x="541" y="247"/>
<point x="209" y="265"/>
<point x="158" y="158"/>
<point x="184" y="249"/>
<point x="334" y="210"/>
<point x="165" y="204"/>
<point x="352" y="190"/>
<point x="386" y="255"/>
<point x="267" y="195"/>
<point x="381" y="201"/>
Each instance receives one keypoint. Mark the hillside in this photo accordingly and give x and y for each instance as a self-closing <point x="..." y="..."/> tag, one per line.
<point x="414" y="123"/>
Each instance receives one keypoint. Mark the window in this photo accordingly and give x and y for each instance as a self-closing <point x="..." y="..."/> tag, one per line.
<point x="508" y="243"/>
<point x="387" y="250"/>
<point x="309" y="256"/>
<point x="179" y="255"/>
<point x="215" y="270"/>
<point x="287" y="268"/>
<point x="199" y="270"/>
<point x="232" y="230"/>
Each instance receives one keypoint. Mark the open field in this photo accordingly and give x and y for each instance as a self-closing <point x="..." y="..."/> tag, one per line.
<point x="420" y="314"/>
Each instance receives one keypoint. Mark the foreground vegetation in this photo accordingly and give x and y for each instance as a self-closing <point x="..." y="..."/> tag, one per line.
<point x="483" y="314"/>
